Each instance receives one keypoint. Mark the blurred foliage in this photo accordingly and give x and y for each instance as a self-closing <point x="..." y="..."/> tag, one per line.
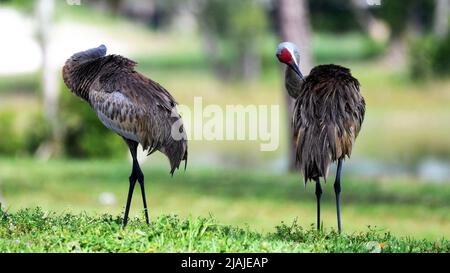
<point x="20" y="4"/>
<point x="165" y="11"/>
<point x="37" y="132"/>
<point x="22" y="137"/>
<point x="421" y="58"/>
<point x="429" y="58"/>
<point x="333" y="16"/>
<point x="441" y="63"/>
<point x="233" y="18"/>
<point x="235" y="29"/>
<point x="20" y="83"/>
<point x="11" y="140"/>
<point x="347" y="47"/>
<point x="84" y="135"/>
<point x="398" y="14"/>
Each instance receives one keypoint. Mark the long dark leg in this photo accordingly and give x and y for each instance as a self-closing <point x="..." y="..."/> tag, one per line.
<point x="337" y="191"/>
<point x="144" y="199"/>
<point x="130" y="195"/>
<point x="136" y="175"/>
<point x="318" y="195"/>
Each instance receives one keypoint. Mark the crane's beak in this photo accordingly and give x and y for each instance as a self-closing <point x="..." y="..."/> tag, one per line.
<point x="296" y="69"/>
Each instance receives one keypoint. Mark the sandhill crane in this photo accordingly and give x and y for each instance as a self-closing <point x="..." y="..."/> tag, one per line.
<point x="135" y="107"/>
<point x="328" y="114"/>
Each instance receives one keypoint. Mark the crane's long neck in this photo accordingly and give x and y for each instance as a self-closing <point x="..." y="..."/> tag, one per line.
<point x="293" y="83"/>
<point x="79" y="77"/>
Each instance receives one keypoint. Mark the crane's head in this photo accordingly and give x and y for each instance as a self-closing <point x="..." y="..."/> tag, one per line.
<point x="289" y="54"/>
<point x="89" y="54"/>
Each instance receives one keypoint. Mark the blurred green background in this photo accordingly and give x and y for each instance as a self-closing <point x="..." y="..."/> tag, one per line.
<point x="54" y="153"/>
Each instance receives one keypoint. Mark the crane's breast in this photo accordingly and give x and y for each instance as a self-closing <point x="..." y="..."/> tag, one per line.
<point x="117" y="113"/>
<point x="327" y="118"/>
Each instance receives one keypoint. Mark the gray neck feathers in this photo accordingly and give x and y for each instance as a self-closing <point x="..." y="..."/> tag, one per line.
<point x="81" y="70"/>
<point x="293" y="83"/>
<point x="79" y="77"/>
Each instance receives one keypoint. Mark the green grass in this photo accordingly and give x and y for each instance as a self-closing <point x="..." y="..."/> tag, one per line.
<point x="22" y="84"/>
<point x="258" y="199"/>
<point x="35" y="230"/>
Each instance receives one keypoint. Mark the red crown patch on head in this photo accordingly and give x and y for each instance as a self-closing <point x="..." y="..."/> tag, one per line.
<point x="285" y="56"/>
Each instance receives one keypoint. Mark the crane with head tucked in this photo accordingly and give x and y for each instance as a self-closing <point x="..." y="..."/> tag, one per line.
<point x="328" y="114"/>
<point x="138" y="109"/>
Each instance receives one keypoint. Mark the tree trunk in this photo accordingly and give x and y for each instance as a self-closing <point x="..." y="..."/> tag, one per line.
<point x="49" y="78"/>
<point x="372" y="26"/>
<point x="360" y="9"/>
<point x="211" y="46"/>
<point x="249" y="62"/>
<point x="397" y="53"/>
<point x="441" y="15"/>
<point x="294" y="24"/>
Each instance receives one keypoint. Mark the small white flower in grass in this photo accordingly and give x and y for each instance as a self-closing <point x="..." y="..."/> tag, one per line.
<point x="107" y="198"/>
<point x="373" y="247"/>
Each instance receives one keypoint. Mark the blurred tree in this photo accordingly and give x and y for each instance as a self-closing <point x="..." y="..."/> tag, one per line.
<point x="166" y="11"/>
<point x="113" y="6"/>
<point x="11" y="141"/>
<point x="158" y="14"/>
<point x="44" y="14"/>
<point x="294" y="26"/>
<point x="419" y="30"/>
<point x="441" y="44"/>
<point x="213" y="24"/>
<point x="441" y="18"/>
<point x="371" y="25"/>
<point x="421" y="54"/>
<point x="404" y="19"/>
<point x="139" y="10"/>
<point x="429" y="58"/>
<point x="333" y="16"/>
<point x="232" y="31"/>
<point x="247" y="28"/>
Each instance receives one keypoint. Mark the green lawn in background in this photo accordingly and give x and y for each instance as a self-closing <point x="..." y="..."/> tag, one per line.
<point x="257" y="199"/>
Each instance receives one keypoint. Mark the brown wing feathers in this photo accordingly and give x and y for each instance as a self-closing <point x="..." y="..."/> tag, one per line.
<point x="327" y="118"/>
<point x="128" y="103"/>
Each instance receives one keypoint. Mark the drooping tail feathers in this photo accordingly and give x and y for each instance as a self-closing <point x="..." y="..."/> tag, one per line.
<point x="176" y="152"/>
